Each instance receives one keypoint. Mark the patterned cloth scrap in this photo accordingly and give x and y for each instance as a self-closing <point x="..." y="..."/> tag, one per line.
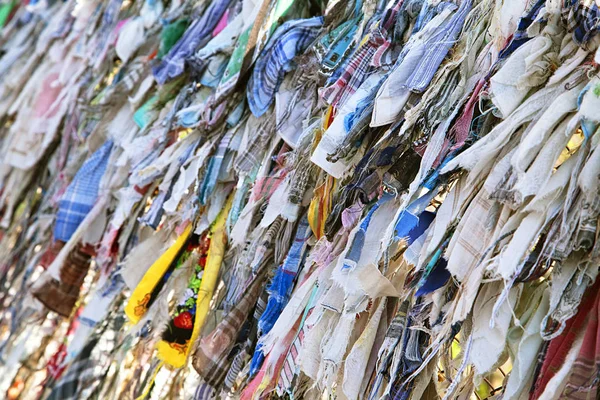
<point x="320" y="206"/>
<point x="81" y="370"/>
<point x="204" y="392"/>
<point x="331" y="49"/>
<point x="583" y="381"/>
<point x="61" y="296"/>
<point x="436" y="49"/>
<point x="282" y="285"/>
<point x="179" y="328"/>
<point x="195" y="37"/>
<point x="214" y="166"/>
<point x="81" y="194"/>
<point x="560" y="346"/>
<point x="126" y="80"/>
<point x="582" y="19"/>
<point x="360" y="64"/>
<point x="288" y="41"/>
<point x="250" y="158"/>
<point x="291" y="365"/>
<point x="217" y="350"/>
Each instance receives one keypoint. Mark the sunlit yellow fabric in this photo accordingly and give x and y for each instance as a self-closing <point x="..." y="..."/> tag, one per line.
<point x="175" y="354"/>
<point x="138" y="302"/>
<point x="322" y="201"/>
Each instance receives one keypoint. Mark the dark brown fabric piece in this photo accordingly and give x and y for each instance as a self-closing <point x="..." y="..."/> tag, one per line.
<point x="61" y="296"/>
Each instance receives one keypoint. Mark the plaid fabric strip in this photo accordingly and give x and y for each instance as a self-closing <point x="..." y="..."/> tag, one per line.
<point x="129" y="79"/>
<point x="81" y="194"/>
<point x="196" y="36"/>
<point x="291" y="367"/>
<point x="292" y="262"/>
<point x="472" y="235"/>
<point x="214" y="166"/>
<point x="436" y="49"/>
<point x="385" y="357"/>
<point x="358" y="67"/>
<point x="583" y="381"/>
<point x="69" y="386"/>
<point x="289" y="40"/>
<point x="204" y="392"/>
<point x="582" y="19"/>
<point x="281" y="286"/>
<point x="103" y="35"/>
<point x="355" y="72"/>
<point x="251" y="158"/>
<point x="265" y="187"/>
<point x="212" y="358"/>
<point x="239" y="362"/>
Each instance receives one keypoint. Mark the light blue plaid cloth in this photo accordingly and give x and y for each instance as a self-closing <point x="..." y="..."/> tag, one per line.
<point x="82" y="193"/>
<point x="436" y="49"/>
<point x="289" y="40"/>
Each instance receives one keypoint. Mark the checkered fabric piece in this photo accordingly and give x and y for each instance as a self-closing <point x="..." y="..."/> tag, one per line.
<point x="81" y="194"/>
<point x="251" y="157"/>
<point x="195" y="37"/>
<point x="288" y="41"/>
<point x="369" y="53"/>
<point x="80" y="371"/>
<point x="582" y="18"/>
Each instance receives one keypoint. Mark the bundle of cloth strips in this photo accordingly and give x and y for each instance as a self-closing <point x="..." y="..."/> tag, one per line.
<point x="299" y="199"/>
